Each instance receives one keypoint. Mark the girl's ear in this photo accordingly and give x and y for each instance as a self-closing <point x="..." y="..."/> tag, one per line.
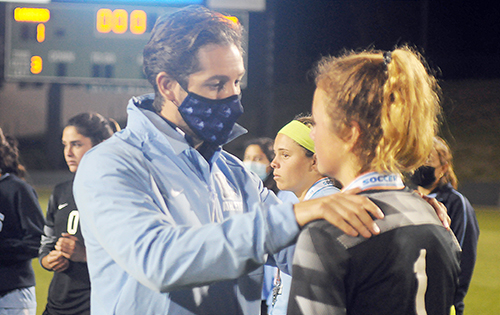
<point x="352" y="135"/>
<point x="314" y="163"/>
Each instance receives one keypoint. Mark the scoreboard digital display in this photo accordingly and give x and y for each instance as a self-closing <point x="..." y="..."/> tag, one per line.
<point x="79" y="43"/>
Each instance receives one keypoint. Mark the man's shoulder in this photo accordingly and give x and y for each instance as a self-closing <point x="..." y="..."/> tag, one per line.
<point x="230" y="160"/>
<point x="229" y="157"/>
<point x="115" y="147"/>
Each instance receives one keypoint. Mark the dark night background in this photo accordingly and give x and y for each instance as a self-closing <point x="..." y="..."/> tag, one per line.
<point x="459" y="39"/>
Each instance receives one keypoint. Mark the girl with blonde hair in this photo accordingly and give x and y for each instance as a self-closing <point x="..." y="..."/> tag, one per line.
<point x="375" y="116"/>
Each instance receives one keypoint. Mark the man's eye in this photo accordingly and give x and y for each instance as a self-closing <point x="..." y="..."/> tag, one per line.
<point x="218" y="86"/>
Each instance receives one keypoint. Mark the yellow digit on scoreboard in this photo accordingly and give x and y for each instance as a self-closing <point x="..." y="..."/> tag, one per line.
<point x="40" y="32"/>
<point x="36" y="64"/>
<point x="104" y="21"/>
<point x="117" y="21"/>
<point x="120" y="24"/>
<point x="138" y="22"/>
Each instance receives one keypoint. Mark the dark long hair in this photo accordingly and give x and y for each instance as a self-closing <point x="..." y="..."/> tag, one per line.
<point x="9" y="156"/>
<point x="94" y="126"/>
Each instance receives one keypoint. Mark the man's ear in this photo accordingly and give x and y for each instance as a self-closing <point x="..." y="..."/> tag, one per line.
<point x="167" y="86"/>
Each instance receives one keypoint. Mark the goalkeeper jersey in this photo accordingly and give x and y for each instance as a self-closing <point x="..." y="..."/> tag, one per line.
<point x="411" y="267"/>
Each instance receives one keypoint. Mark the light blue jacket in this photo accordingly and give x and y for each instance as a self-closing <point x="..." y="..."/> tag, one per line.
<point x="167" y="232"/>
<point x="281" y="304"/>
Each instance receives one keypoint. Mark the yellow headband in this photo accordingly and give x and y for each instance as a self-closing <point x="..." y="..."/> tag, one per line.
<point x="299" y="133"/>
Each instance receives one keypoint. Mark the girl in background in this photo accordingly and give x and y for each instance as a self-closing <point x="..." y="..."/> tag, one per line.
<point x="62" y="248"/>
<point x="21" y="226"/>
<point x="437" y="179"/>
<point x="296" y="171"/>
<point x="257" y="158"/>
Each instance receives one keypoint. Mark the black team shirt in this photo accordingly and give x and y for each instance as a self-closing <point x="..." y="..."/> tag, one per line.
<point x="69" y="291"/>
<point x="411" y="267"/>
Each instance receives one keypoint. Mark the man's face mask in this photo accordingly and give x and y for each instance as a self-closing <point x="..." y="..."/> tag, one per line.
<point x="211" y="120"/>
<point x="424" y="176"/>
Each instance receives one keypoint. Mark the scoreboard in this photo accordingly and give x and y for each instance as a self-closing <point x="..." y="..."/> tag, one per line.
<point x="82" y="43"/>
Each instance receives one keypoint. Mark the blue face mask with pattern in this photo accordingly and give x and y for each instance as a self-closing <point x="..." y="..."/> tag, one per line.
<point x="211" y="120"/>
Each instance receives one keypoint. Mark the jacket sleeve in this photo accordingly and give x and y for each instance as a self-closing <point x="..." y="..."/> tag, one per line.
<point x="124" y="222"/>
<point x="466" y="229"/>
<point x="31" y="225"/>
<point x="49" y="239"/>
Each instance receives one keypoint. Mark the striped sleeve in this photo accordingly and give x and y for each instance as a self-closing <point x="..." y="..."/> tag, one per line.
<point x="316" y="289"/>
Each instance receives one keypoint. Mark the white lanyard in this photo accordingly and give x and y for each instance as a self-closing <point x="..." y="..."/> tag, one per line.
<point x="317" y="186"/>
<point x="375" y="180"/>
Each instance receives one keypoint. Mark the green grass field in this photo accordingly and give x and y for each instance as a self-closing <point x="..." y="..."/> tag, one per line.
<point x="484" y="292"/>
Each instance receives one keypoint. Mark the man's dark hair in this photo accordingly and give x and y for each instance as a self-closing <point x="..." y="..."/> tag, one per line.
<point x="176" y="40"/>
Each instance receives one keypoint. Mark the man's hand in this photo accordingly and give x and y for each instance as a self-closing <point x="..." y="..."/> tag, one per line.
<point x="55" y="261"/>
<point x="71" y="248"/>
<point x="346" y="210"/>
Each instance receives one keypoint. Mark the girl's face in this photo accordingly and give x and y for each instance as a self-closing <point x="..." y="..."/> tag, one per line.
<point x="439" y="170"/>
<point x="331" y="151"/>
<point x="75" y="146"/>
<point x="293" y="170"/>
<point x="253" y="153"/>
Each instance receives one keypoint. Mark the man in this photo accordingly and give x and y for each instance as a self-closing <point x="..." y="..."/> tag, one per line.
<point x="172" y="223"/>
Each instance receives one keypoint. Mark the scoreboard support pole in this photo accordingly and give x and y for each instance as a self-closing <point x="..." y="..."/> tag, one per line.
<point x="54" y="126"/>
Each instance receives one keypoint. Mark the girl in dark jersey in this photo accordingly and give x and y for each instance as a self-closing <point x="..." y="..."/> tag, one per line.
<point x="21" y="225"/>
<point x="375" y="116"/>
<point x="437" y="179"/>
<point x="62" y="249"/>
